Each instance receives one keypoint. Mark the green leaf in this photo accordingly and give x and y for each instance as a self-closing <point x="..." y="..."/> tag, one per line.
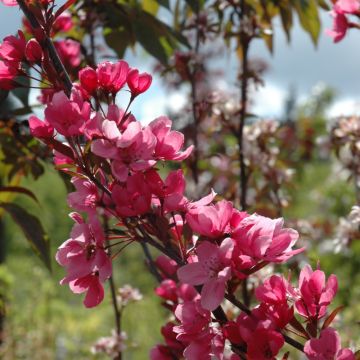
<point x="309" y="17"/>
<point x="154" y="36"/>
<point x="32" y="229"/>
<point x="286" y="20"/>
<point x="118" y="40"/>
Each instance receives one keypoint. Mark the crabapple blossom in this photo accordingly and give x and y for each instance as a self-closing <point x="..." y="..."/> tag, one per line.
<point x="265" y="239"/>
<point x="86" y="261"/>
<point x="67" y="116"/>
<point x="138" y="83"/>
<point x="8" y="74"/>
<point x="112" y="76"/>
<point x="86" y="197"/>
<point x="315" y="294"/>
<point x="33" y="51"/>
<point x="212" y="270"/>
<point x="40" y="129"/>
<point x="212" y="220"/>
<point x="12" y="48"/>
<point x="327" y="347"/>
<point x="134" y="198"/>
<point x="168" y="142"/>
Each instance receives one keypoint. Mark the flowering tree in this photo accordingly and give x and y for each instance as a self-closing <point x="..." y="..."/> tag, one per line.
<point x="213" y="256"/>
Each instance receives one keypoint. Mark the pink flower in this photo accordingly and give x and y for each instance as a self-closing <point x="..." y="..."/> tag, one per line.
<point x="86" y="261"/>
<point x="69" y="52"/>
<point x="33" y="51"/>
<point x="68" y="117"/>
<point x="264" y="239"/>
<point x="171" y="192"/>
<point x="264" y="344"/>
<point x="347" y="6"/>
<point x="112" y="76"/>
<point x="212" y="270"/>
<point x="193" y="318"/>
<point x="93" y="288"/>
<point x="9" y="2"/>
<point x="63" y="23"/>
<point x="86" y="196"/>
<point x="275" y="290"/>
<point x="13" y="48"/>
<point x="7" y="75"/>
<point x="339" y="28"/>
<point x="138" y="83"/>
<point x="134" y="198"/>
<point x="88" y="79"/>
<point x="167" y="290"/>
<point x="315" y="294"/>
<point x="169" y="142"/>
<point x="40" y="129"/>
<point x="161" y="352"/>
<point x="327" y="347"/>
<point x="131" y="151"/>
<point x="212" y="220"/>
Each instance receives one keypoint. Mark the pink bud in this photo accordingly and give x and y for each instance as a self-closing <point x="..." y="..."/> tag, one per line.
<point x="40" y="129"/>
<point x="138" y="83"/>
<point x="33" y="51"/>
<point x="88" y="79"/>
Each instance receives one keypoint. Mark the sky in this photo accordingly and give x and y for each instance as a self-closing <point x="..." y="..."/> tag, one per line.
<point x="298" y="64"/>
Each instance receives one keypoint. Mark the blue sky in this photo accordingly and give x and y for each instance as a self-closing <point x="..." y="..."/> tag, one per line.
<point x="296" y="64"/>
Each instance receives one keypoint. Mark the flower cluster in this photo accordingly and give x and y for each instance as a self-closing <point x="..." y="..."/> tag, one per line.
<point x="121" y="196"/>
<point x="197" y="333"/>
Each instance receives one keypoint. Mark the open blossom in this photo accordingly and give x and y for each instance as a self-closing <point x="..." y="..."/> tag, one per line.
<point x="265" y="239"/>
<point x="67" y="116"/>
<point x="211" y="220"/>
<point x="339" y="27"/>
<point x="127" y="294"/>
<point x="327" y="347"/>
<point x="86" y="196"/>
<point x="13" y="48"/>
<point x="130" y="151"/>
<point x="347" y="6"/>
<point x="134" y="198"/>
<point x="340" y="21"/>
<point x="112" y="76"/>
<point x="168" y="142"/>
<point x="315" y="294"/>
<point x="170" y="192"/>
<point x="40" y="129"/>
<point x="138" y="83"/>
<point x="8" y="74"/>
<point x="212" y="270"/>
<point x="86" y="261"/>
<point x="264" y="344"/>
<point x="112" y="345"/>
<point x="274" y="290"/>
